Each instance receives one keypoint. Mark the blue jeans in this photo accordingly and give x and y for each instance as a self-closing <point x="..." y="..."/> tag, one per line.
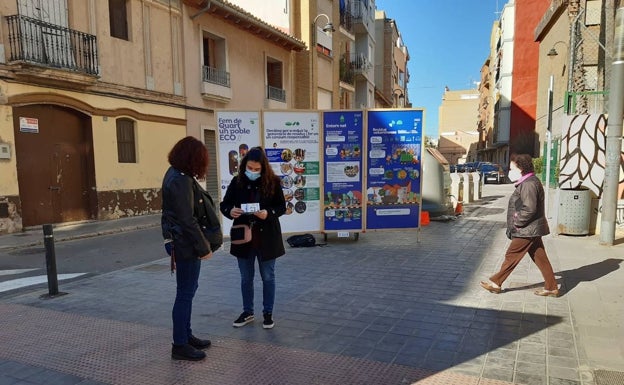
<point x="187" y="276"/>
<point x="267" y="272"/>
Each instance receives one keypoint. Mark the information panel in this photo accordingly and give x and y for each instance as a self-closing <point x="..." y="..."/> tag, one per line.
<point x="292" y="142"/>
<point x="394" y="153"/>
<point x="237" y="132"/>
<point x="342" y="144"/>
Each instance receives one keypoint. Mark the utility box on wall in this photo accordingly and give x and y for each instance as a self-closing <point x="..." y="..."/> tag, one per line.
<point x="574" y="211"/>
<point x="5" y="151"/>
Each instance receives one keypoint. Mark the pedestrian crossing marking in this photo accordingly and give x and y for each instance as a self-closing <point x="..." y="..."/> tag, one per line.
<point x="15" y="271"/>
<point x="30" y="281"/>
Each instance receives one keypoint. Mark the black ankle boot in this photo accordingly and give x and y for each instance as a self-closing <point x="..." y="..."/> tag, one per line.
<point x="198" y="343"/>
<point x="186" y="352"/>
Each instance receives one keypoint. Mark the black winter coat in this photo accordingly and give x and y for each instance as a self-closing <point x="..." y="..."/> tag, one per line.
<point x="271" y="243"/>
<point x="525" y="213"/>
<point x="178" y="221"/>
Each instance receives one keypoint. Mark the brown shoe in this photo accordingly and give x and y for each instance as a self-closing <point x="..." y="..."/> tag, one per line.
<point x="547" y="293"/>
<point x="491" y="288"/>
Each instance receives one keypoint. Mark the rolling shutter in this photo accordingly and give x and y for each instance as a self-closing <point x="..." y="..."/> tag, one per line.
<point x="212" y="179"/>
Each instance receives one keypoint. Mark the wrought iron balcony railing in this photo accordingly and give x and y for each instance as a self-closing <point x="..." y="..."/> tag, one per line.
<point x="359" y="11"/>
<point x="275" y="93"/>
<point x="216" y="76"/>
<point x="354" y="64"/>
<point x="347" y="73"/>
<point x="35" y="41"/>
<point x="346" y="20"/>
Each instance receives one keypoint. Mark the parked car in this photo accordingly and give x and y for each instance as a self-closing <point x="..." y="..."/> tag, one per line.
<point x="466" y="167"/>
<point x="492" y="172"/>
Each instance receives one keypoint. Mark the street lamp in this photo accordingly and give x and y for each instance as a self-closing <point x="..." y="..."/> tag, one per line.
<point x="328" y="28"/>
<point x="399" y="97"/>
<point x="552" y="53"/>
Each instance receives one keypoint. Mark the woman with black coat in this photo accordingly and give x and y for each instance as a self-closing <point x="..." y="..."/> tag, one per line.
<point x="184" y="240"/>
<point x="257" y="188"/>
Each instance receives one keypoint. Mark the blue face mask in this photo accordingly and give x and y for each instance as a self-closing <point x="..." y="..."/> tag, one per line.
<point x="252" y="175"/>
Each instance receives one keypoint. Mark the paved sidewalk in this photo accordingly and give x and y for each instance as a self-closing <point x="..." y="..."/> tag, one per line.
<point x="33" y="236"/>
<point x="381" y="310"/>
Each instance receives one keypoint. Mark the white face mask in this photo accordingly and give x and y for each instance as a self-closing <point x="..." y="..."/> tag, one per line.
<point x="514" y="173"/>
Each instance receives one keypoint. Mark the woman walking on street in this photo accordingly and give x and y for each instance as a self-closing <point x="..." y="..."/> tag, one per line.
<point x="255" y="198"/>
<point x="526" y="224"/>
<point x="184" y="240"/>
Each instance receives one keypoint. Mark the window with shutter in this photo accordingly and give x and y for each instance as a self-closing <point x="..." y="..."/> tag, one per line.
<point x="126" y="146"/>
<point x="212" y="179"/>
<point x="118" y="16"/>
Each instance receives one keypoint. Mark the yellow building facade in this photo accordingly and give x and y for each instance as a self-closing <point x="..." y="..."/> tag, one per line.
<point x="93" y="94"/>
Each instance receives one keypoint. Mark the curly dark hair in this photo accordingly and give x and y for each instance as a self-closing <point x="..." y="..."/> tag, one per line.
<point x="524" y="162"/>
<point x="190" y="156"/>
<point x="268" y="179"/>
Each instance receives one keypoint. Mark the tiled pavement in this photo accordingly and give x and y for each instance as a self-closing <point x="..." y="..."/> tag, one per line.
<point x="381" y="310"/>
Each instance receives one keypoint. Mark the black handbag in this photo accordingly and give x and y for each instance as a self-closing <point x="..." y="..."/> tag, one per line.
<point x="240" y="234"/>
<point x="206" y="214"/>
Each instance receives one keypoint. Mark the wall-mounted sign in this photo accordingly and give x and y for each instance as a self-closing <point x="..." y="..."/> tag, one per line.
<point x="30" y="125"/>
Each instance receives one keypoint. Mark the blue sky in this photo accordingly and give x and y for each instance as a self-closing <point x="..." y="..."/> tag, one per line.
<point x="448" y="42"/>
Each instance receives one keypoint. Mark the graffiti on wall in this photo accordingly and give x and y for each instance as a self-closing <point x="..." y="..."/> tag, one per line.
<point x="583" y="152"/>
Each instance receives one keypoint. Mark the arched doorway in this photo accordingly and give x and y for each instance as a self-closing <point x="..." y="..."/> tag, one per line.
<point x="55" y="166"/>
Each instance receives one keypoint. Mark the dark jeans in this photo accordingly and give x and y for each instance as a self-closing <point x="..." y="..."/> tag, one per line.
<point x="187" y="275"/>
<point x="247" y="272"/>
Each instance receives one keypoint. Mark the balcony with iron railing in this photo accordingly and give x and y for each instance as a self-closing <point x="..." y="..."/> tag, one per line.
<point x="346" y="20"/>
<point x="353" y="64"/>
<point x="275" y="93"/>
<point x="359" y="11"/>
<point x="216" y="84"/>
<point x="216" y="76"/>
<point x="37" y="42"/>
<point x="347" y="73"/>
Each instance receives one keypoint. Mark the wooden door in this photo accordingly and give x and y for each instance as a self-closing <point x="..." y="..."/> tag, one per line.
<point x="55" y="168"/>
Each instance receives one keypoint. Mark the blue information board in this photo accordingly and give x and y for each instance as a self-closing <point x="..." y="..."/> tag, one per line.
<point x="343" y="152"/>
<point x="394" y="159"/>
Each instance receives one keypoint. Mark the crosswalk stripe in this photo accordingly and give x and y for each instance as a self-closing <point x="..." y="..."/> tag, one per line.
<point x="29" y="281"/>
<point x="15" y="271"/>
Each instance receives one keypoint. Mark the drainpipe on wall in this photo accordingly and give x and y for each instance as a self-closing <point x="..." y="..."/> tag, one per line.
<point x="202" y="11"/>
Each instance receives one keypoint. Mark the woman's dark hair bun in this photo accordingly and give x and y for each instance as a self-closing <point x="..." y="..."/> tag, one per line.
<point x="255" y="154"/>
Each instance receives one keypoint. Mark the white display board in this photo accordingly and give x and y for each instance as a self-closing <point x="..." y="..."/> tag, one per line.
<point x="237" y="131"/>
<point x="292" y="144"/>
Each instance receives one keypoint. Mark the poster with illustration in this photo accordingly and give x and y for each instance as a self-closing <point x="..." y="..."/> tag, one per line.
<point x="237" y="132"/>
<point x="292" y="145"/>
<point x="342" y="150"/>
<point x="394" y="154"/>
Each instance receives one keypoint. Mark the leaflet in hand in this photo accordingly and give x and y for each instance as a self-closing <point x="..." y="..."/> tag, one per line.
<point x="250" y="208"/>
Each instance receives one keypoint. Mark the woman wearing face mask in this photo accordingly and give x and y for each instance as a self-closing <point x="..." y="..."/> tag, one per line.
<point x="526" y="224"/>
<point x="256" y="183"/>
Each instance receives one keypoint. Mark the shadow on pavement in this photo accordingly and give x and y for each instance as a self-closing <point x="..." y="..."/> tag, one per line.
<point x="571" y="278"/>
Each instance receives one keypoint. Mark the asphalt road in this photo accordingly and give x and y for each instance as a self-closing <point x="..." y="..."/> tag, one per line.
<point x="23" y="269"/>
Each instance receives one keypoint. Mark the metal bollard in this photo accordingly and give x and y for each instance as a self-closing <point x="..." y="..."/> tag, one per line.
<point x="48" y="241"/>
